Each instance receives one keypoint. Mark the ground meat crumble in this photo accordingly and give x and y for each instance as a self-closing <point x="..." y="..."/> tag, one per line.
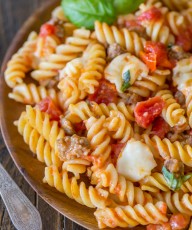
<point x="72" y="147"/>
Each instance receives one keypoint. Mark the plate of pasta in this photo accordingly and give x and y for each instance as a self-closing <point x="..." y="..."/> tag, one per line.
<point x="96" y="111"/>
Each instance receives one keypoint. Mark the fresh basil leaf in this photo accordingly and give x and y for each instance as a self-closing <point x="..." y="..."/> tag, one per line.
<point x="126" y="6"/>
<point x="126" y="81"/>
<point x="84" y="13"/>
<point x="174" y="182"/>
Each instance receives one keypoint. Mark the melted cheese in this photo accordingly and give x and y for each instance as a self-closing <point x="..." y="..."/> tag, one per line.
<point x="136" y="161"/>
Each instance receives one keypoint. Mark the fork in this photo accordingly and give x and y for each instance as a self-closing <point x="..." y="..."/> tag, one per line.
<point x="23" y="214"/>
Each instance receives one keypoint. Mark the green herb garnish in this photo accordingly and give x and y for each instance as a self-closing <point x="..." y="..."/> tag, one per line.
<point x="175" y="181"/>
<point x="126" y="6"/>
<point x="126" y="81"/>
<point x="84" y="13"/>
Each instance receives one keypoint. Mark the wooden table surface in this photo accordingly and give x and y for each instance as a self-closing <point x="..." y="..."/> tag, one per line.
<point x="12" y="15"/>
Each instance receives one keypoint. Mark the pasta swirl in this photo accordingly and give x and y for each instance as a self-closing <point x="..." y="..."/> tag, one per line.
<point x="40" y="121"/>
<point x="83" y="110"/>
<point x="108" y="35"/>
<point x="37" y="144"/>
<point x="124" y="189"/>
<point x="128" y="216"/>
<point x="172" y="113"/>
<point x="90" y="197"/>
<point x="118" y="126"/>
<point x="21" y="62"/>
<point x="166" y="149"/>
<point x="73" y="48"/>
<point x="95" y="61"/>
<point x="99" y="138"/>
<point x="31" y="94"/>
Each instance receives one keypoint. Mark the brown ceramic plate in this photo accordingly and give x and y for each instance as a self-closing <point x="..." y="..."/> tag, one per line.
<point x="31" y="168"/>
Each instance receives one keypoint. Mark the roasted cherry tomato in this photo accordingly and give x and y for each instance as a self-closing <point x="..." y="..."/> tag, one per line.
<point x="106" y="93"/>
<point x="146" y="111"/>
<point x="48" y="106"/>
<point x="160" y="127"/>
<point x="47" y="29"/>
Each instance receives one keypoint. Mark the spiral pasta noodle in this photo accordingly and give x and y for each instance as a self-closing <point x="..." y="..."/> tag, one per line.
<point x="21" y="62"/>
<point x="91" y="197"/>
<point x="76" y="166"/>
<point x="108" y="35"/>
<point x="83" y="110"/>
<point x="159" y="32"/>
<point x="124" y="189"/>
<point x="189" y="108"/>
<point x="128" y="216"/>
<point x="175" y="21"/>
<point x="166" y="149"/>
<point x="70" y="81"/>
<point x="118" y="126"/>
<point x="149" y="84"/>
<point x="99" y="139"/>
<point x="32" y="94"/>
<point x="37" y="143"/>
<point x="40" y="121"/>
<point x="175" y="5"/>
<point x="154" y="183"/>
<point x="177" y="202"/>
<point x="172" y="113"/>
<point x="95" y="58"/>
<point x="73" y="48"/>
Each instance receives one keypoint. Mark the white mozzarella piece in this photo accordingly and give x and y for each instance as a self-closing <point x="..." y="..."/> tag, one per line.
<point x="136" y="161"/>
<point x="115" y="71"/>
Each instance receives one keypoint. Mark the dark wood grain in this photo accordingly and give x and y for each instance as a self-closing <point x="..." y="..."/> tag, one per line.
<point x="12" y="15"/>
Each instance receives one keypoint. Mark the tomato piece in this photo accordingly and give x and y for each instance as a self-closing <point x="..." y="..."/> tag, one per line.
<point x="179" y="221"/>
<point x="47" y="29"/>
<point x="116" y="150"/>
<point x="153" y="14"/>
<point x="184" y="39"/>
<point x="146" y="111"/>
<point x="48" y="106"/>
<point x="165" y="226"/>
<point x="149" y="59"/>
<point x="160" y="127"/>
<point x="134" y="25"/>
<point x="79" y="127"/>
<point x="106" y="93"/>
<point x="155" y="54"/>
<point x="163" y="208"/>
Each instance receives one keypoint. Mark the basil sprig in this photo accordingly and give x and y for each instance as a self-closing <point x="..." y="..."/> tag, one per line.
<point x="126" y="6"/>
<point x="126" y="81"/>
<point x="84" y="13"/>
<point x="175" y="181"/>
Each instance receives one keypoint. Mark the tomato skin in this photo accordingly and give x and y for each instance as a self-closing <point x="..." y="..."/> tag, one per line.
<point x="179" y="221"/>
<point x="184" y="39"/>
<point x="155" y="54"/>
<point x="79" y="127"/>
<point x="160" y="127"/>
<point x="116" y="150"/>
<point x="48" y="106"/>
<point x="149" y="59"/>
<point x="47" y="29"/>
<point x="146" y="111"/>
<point x="134" y="25"/>
<point x="153" y="14"/>
<point x="106" y="93"/>
<point x="165" y="226"/>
